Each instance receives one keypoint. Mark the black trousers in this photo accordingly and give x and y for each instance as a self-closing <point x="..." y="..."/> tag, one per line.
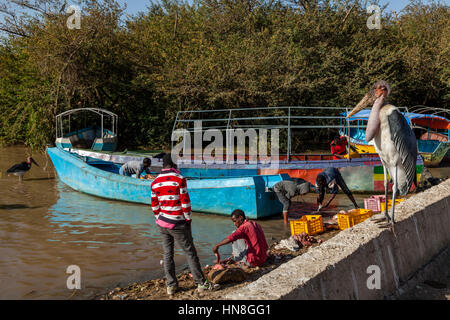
<point x="341" y="183"/>
<point x="182" y="235"/>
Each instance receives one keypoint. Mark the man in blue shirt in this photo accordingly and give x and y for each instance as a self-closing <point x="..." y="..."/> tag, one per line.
<point x="329" y="180"/>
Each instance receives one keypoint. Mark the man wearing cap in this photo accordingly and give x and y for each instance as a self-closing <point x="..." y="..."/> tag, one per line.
<point x="329" y="180"/>
<point x="286" y="190"/>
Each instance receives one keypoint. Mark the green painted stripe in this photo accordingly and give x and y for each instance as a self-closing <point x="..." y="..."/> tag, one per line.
<point x="379" y="170"/>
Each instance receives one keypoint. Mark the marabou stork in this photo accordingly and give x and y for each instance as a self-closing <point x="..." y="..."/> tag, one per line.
<point x="21" y="168"/>
<point x="394" y="142"/>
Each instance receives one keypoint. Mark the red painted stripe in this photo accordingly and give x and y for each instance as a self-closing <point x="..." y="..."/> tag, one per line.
<point x="379" y="186"/>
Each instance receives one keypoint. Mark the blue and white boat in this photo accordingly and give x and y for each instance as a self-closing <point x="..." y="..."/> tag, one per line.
<point x="219" y="195"/>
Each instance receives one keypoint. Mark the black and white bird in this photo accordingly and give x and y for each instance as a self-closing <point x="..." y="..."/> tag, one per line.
<point x="394" y="142"/>
<point x="21" y="168"/>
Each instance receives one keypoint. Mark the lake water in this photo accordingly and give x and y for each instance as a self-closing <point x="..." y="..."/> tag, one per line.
<point x="45" y="226"/>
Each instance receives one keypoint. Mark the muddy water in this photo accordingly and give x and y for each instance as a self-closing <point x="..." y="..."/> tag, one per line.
<point x="46" y="226"/>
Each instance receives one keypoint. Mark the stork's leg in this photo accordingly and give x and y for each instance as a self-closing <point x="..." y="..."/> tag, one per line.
<point x="394" y="195"/>
<point x="386" y="187"/>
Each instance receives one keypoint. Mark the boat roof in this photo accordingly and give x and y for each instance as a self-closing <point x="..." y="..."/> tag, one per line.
<point x="431" y="120"/>
<point x="95" y="110"/>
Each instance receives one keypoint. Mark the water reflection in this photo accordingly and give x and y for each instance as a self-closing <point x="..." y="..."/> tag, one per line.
<point x="77" y="213"/>
<point x="118" y="240"/>
<point x="46" y="226"/>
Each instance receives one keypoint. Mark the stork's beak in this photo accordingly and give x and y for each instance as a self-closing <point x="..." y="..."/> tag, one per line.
<point x="32" y="160"/>
<point x="368" y="100"/>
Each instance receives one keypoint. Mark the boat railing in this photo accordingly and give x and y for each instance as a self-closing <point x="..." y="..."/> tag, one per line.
<point x="429" y="110"/>
<point x="287" y="118"/>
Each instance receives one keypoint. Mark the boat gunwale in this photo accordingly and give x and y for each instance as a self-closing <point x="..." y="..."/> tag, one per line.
<point x="78" y="162"/>
<point x="310" y="164"/>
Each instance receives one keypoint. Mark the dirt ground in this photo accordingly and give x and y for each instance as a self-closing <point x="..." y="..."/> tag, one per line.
<point x="156" y="289"/>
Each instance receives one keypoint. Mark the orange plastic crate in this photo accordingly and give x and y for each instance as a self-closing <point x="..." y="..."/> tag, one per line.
<point x="353" y="217"/>
<point x="310" y="224"/>
<point x="383" y="205"/>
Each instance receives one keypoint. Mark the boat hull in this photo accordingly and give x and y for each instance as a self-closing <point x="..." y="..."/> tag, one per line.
<point x="214" y="195"/>
<point x="361" y="175"/>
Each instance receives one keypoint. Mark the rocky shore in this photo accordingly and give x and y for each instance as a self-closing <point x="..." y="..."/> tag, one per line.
<point x="156" y="289"/>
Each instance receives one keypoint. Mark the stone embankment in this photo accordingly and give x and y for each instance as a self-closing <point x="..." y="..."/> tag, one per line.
<point x="364" y="262"/>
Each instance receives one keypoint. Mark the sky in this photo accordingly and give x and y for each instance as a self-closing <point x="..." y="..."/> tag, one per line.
<point x="134" y="6"/>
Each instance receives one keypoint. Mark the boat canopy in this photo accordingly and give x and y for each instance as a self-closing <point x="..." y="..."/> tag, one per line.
<point x="426" y="120"/>
<point x="101" y="112"/>
<point x="94" y="136"/>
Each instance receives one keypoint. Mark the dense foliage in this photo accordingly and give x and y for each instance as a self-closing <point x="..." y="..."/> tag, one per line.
<point x="211" y="54"/>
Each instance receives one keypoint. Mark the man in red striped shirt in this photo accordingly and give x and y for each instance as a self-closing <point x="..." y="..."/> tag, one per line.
<point x="172" y="208"/>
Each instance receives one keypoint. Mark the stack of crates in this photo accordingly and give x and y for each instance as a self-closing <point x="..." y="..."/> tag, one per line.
<point x="374" y="203"/>
<point x="397" y="201"/>
<point x="353" y="217"/>
<point x="309" y="224"/>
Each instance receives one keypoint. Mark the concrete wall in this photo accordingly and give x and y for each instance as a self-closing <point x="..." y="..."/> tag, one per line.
<point x="337" y="269"/>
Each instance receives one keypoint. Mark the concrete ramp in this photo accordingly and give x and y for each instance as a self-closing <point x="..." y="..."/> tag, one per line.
<point x="364" y="262"/>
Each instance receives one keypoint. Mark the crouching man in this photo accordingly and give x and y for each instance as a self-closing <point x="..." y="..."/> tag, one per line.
<point x="286" y="190"/>
<point x="136" y="167"/>
<point x="249" y="242"/>
<point x="329" y="180"/>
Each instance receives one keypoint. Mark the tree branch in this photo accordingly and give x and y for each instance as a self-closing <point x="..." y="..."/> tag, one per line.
<point x="16" y="33"/>
<point x="348" y="14"/>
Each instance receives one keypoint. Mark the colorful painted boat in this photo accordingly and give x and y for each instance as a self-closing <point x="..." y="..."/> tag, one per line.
<point x="363" y="174"/>
<point x="218" y="195"/>
<point x="432" y="146"/>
